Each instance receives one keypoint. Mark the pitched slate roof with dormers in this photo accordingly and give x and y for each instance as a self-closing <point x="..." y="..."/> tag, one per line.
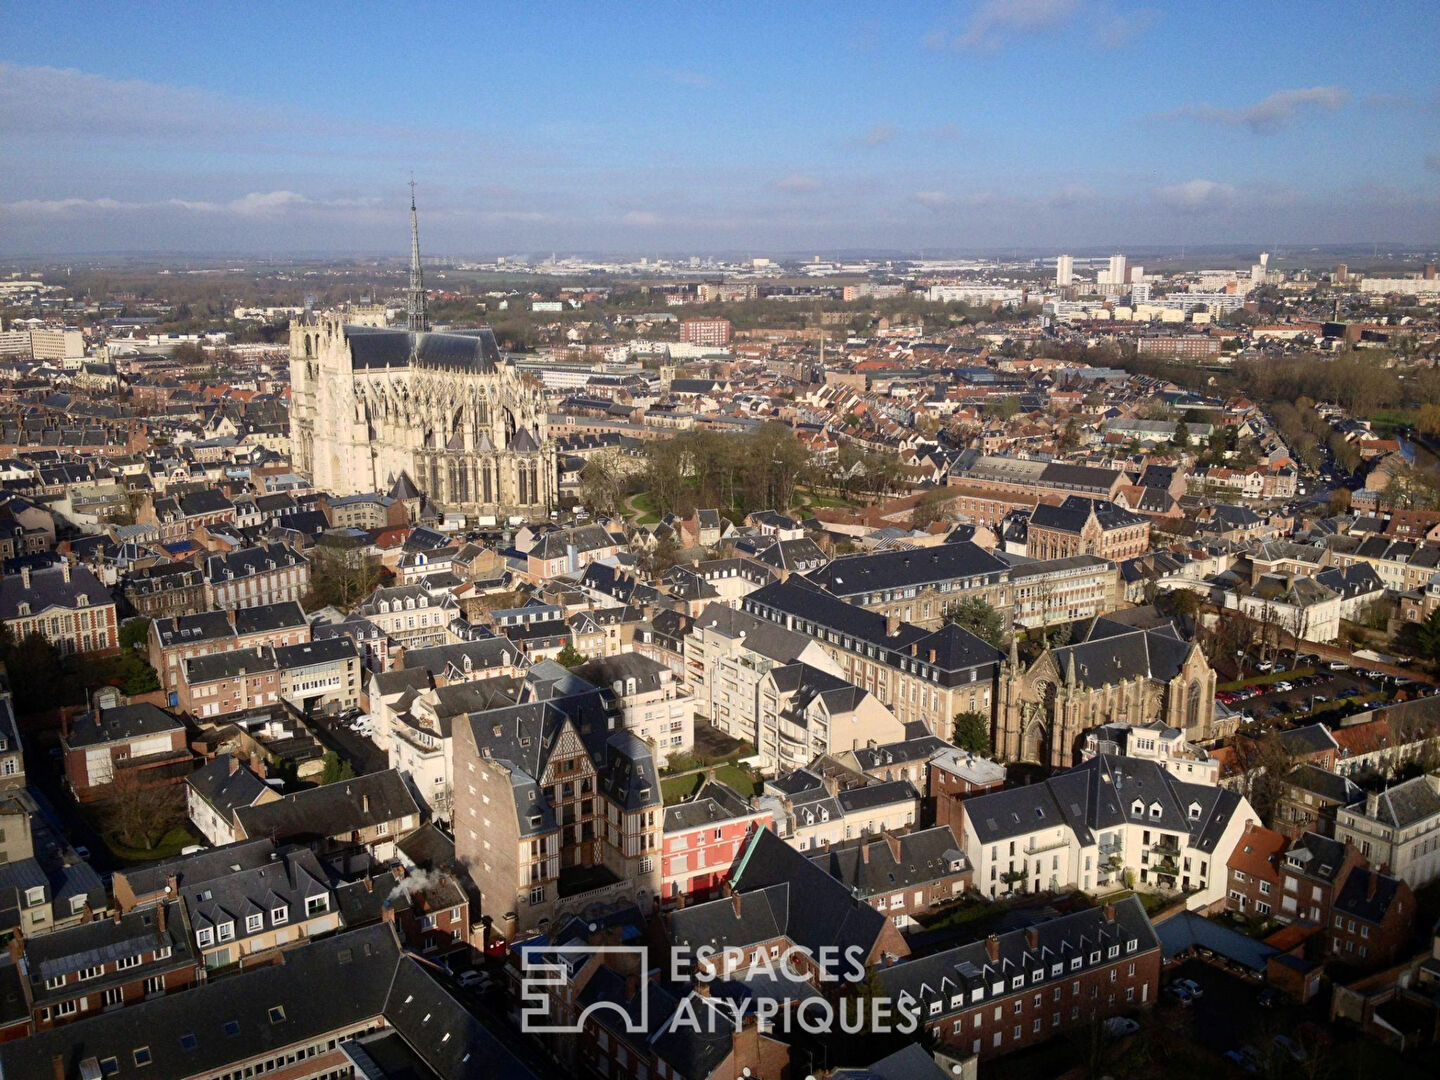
<point x="333" y="809"/>
<point x="960" y="978"/>
<point x="1105" y="793"/>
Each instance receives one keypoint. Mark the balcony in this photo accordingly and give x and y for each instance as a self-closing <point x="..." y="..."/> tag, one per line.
<point x="1166" y="846"/>
<point x="1035" y="847"/>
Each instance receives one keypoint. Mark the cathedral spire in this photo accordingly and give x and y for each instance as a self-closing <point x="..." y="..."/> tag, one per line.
<point x="416" y="318"/>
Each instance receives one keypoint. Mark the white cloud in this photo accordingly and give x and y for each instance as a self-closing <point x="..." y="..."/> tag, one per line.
<point x="1196" y="195"/>
<point x="935" y="200"/>
<point x="1273" y="114"/>
<point x="799" y="183"/>
<point x="995" y="21"/>
<point x="640" y="217"/>
<point x="878" y="135"/>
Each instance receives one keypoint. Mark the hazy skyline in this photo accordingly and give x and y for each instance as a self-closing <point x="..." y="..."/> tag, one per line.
<point x="998" y="123"/>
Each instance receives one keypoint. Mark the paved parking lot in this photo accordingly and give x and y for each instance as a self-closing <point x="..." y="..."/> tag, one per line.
<point x="1309" y="693"/>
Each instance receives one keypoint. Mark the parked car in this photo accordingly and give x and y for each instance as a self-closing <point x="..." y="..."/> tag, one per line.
<point x="1180" y="994"/>
<point x="82" y="851"/>
<point x="1267" y="998"/>
<point x="478" y="979"/>
<point x="1193" y="988"/>
<point x="1289" y="1046"/>
<point x="1338" y="665"/>
<point x="1117" y="1027"/>
<point x="1244" y="1058"/>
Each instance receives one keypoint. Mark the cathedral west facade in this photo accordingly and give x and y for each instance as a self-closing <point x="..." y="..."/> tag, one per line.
<point x="369" y="403"/>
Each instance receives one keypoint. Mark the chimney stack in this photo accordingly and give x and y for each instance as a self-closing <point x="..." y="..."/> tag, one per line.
<point x="1032" y="938"/>
<point x="892" y="624"/>
<point x="735" y="902"/>
<point x="234" y="765"/>
<point x="865" y="852"/>
<point x="369" y="884"/>
<point x="365" y="804"/>
<point x="992" y="948"/>
<point x="1372" y="804"/>
<point x="57" y="1066"/>
<point x="161" y="916"/>
<point x="25" y="578"/>
<point x="1109" y="912"/>
<point x="65" y="570"/>
<point x="1371" y="885"/>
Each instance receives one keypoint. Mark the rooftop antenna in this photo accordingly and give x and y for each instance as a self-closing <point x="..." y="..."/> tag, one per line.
<point x="415" y="317"/>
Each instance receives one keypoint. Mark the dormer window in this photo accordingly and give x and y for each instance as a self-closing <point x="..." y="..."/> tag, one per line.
<point x="1194" y="811"/>
<point x="23" y="609"/>
<point x="82" y="600"/>
<point x="1137" y="808"/>
<point x="1156" y="810"/>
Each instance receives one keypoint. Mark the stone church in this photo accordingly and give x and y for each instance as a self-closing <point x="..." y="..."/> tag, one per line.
<point x="370" y="404"/>
<point x="1112" y="672"/>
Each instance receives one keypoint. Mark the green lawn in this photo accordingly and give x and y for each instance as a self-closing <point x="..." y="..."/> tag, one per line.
<point x="168" y="847"/>
<point x="679" y="788"/>
<point x="1263" y="678"/>
<point x="741" y="780"/>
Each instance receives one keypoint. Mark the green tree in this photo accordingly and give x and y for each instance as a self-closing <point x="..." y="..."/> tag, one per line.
<point x="339" y="577"/>
<point x="570" y="657"/>
<point x="135" y="633"/>
<point x="982" y="620"/>
<point x="1008" y="407"/>
<point x="1428" y="636"/>
<point x="1181" y="438"/>
<point x="972" y="732"/>
<point x="335" y="769"/>
<point x="37" y="672"/>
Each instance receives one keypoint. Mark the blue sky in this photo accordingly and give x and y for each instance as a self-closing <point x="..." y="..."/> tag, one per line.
<point x="786" y="127"/>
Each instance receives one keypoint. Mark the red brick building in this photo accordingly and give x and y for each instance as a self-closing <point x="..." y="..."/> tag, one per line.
<point x="702" y="838"/>
<point x="1254" y="869"/>
<point x="1025" y="987"/>
<point x="129" y="746"/>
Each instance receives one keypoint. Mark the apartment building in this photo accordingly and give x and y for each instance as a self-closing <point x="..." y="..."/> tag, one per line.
<point x="727" y="654"/>
<point x="703" y="837"/>
<point x="105" y="964"/>
<point x="363" y="817"/>
<point x="250" y="576"/>
<point x="647" y="699"/>
<point x="410" y="614"/>
<point x="1397" y="830"/>
<point x="813" y="811"/>
<point x="920" y="586"/>
<point x="66" y="605"/>
<point x="175" y="640"/>
<point x="243" y="914"/>
<point x="925" y="676"/>
<point x="555" y="806"/>
<point x="1057" y="591"/>
<point x="1093" y="826"/>
<point x="1254" y="869"/>
<point x="1025" y="987"/>
<point x="806" y="712"/>
<point x="133" y="746"/>
<point x="902" y="875"/>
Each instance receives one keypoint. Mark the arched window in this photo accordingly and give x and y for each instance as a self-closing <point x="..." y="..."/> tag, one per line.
<point x="1192" y="705"/>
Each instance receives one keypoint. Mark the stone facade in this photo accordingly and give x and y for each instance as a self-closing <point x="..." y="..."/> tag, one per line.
<point x="370" y="403"/>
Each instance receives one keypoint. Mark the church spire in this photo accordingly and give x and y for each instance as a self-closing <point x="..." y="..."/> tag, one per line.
<point x="416" y="318"/>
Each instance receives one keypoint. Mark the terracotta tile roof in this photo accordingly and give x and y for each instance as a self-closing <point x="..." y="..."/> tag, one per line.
<point x="1256" y="853"/>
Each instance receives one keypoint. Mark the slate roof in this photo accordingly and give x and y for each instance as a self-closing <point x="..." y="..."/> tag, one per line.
<point x="1104" y="793"/>
<point x="781" y="893"/>
<point x="121" y="724"/>
<point x="1356" y="901"/>
<point x="49" y="589"/>
<point x="363" y="960"/>
<point x="332" y="810"/>
<point x="1111" y="652"/>
<point x="853" y="575"/>
<point x="1404" y="804"/>
<point x="969" y="968"/>
<point x="224" y="790"/>
<point x="1072" y="514"/>
<point x="383" y="347"/>
<point x="901" y="862"/>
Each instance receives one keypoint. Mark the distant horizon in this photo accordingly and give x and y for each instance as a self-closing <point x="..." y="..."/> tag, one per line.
<point x="964" y="126"/>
